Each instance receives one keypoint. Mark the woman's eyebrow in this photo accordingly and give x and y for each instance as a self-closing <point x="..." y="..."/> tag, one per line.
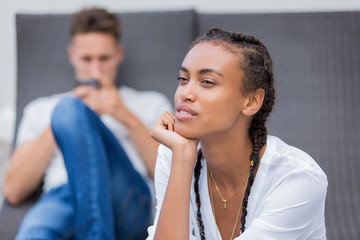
<point x="209" y="70"/>
<point x="184" y="69"/>
<point x="202" y="71"/>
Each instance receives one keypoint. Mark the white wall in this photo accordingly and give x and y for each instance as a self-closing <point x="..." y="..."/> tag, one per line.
<point x="8" y="8"/>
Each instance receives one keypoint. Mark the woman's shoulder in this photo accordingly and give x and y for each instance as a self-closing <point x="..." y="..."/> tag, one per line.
<point x="289" y="176"/>
<point x="286" y="159"/>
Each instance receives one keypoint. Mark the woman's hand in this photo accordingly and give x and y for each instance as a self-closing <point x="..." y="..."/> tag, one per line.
<point x="164" y="132"/>
<point x="178" y="188"/>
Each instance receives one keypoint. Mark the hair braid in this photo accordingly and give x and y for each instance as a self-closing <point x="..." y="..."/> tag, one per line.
<point x="255" y="61"/>
<point x="258" y="139"/>
<point x="197" y="172"/>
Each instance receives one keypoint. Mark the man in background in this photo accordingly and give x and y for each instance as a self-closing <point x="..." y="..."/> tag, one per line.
<point x="90" y="147"/>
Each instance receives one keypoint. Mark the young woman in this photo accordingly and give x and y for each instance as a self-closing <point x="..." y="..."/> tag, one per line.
<point x="218" y="174"/>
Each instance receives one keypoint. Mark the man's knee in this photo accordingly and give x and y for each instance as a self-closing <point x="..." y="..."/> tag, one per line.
<point x="68" y="113"/>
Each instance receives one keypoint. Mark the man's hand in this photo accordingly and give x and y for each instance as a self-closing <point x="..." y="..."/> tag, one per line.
<point x="110" y="103"/>
<point x="90" y="96"/>
<point x="105" y="100"/>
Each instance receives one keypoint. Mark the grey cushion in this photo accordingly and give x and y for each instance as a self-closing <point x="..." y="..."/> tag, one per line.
<point x="11" y="216"/>
<point x="317" y="65"/>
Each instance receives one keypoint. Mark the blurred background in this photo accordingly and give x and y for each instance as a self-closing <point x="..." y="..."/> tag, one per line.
<point x="8" y="9"/>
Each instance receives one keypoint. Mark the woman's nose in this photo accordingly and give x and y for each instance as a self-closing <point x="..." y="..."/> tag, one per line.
<point x="187" y="92"/>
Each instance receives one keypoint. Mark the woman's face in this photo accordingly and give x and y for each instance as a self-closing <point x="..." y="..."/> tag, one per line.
<point x="208" y="100"/>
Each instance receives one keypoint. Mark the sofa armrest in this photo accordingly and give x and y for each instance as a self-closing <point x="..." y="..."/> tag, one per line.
<point x="11" y="216"/>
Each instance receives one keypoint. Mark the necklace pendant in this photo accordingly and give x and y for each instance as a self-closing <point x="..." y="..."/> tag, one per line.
<point x="225" y="206"/>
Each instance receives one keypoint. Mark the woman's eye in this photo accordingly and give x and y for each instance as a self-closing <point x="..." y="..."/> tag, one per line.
<point x="208" y="82"/>
<point x="182" y="79"/>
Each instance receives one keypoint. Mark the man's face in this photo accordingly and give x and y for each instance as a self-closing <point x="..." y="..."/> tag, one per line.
<point x="95" y="55"/>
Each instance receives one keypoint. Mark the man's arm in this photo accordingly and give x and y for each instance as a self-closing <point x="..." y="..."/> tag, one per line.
<point x="107" y="101"/>
<point x="27" y="167"/>
<point x="146" y="145"/>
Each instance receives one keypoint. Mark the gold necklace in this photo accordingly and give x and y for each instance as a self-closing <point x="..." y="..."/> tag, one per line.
<point x="213" y="209"/>
<point x="212" y="205"/>
<point x="217" y="189"/>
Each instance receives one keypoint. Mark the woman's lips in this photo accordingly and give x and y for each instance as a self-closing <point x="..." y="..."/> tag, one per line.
<point x="184" y="112"/>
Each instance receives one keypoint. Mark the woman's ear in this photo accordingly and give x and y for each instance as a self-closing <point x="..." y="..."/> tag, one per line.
<point x="254" y="102"/>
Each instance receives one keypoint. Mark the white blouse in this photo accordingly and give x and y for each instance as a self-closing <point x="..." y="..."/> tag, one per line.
<point x="287" y="200"/>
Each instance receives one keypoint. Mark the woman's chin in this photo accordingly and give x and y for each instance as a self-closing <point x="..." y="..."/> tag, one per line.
<point x="185" y="131"/>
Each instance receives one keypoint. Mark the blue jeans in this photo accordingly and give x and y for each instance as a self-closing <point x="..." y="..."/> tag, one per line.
<point x="105" y="198"/>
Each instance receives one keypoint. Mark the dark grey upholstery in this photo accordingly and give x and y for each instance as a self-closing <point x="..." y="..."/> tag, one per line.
<point x="316" y="58"/>
<point x="11" y="216"/>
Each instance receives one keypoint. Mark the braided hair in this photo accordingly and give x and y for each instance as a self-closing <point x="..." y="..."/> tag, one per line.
<point x="255" y="62"/>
